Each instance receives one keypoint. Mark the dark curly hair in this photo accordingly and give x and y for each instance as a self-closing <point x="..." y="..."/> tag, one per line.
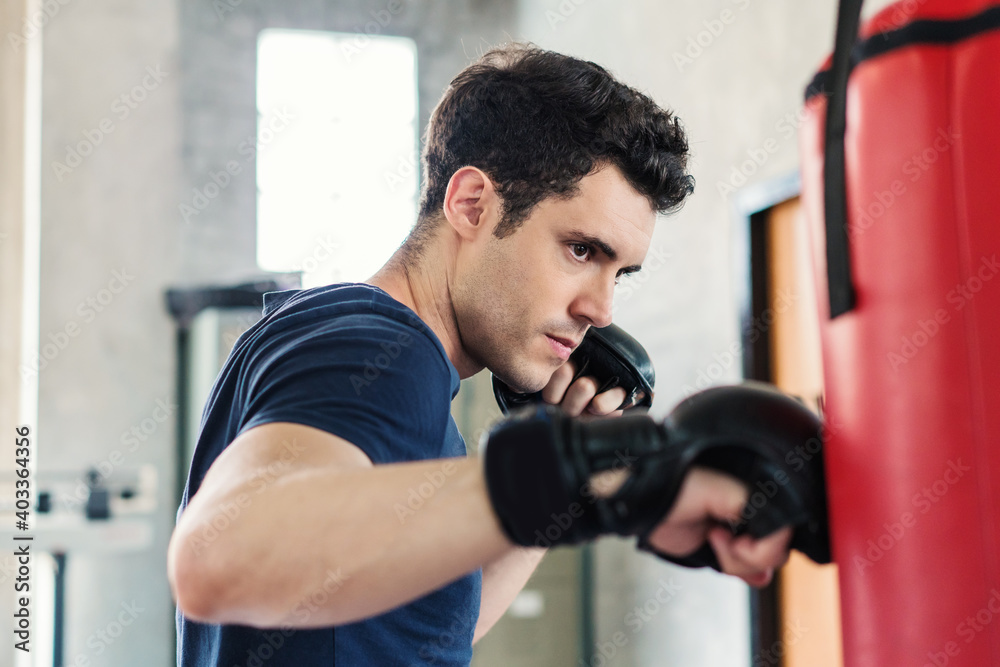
<point x="536" y="122"/>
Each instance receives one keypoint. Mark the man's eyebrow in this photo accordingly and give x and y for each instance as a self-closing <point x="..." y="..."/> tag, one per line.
<point x="611" y="253"/>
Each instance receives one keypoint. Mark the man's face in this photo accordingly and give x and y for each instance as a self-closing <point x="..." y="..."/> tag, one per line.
<point x="522" y="303"/>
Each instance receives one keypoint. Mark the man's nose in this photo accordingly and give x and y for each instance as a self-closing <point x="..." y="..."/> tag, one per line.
<point x="595" y="305"/>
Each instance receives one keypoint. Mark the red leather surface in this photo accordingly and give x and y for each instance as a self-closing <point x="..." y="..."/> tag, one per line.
<point x="912" y="375"/>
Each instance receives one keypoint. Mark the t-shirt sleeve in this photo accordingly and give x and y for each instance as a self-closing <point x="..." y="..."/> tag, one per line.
<point x="372" y="380"/>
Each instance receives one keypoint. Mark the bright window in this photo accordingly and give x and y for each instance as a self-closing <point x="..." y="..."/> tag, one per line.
<point x="336" y="152"/>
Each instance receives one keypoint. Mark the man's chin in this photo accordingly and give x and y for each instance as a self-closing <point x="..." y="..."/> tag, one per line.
<point x="521" y="389"/>
<point x="525" y="376"/>
<point x="522" y="384"/>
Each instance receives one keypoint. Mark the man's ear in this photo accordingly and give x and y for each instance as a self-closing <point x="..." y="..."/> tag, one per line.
<point x="471" y="204"/>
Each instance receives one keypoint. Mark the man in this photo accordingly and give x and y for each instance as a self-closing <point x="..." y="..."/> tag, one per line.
<point x="298" y="541"/>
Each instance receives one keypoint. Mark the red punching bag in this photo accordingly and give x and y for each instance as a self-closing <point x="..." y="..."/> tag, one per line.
<point x="901" y="187"/>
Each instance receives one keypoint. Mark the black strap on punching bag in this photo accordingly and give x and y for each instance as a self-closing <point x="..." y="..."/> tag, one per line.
<point x="838" y="260"/>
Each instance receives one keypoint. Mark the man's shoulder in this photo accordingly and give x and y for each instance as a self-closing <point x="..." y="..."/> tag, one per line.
<point x="337" y="297"/>
<point x="343" y="304"/>
<point x="352" y="361"/>
<point x="350" y="319"/>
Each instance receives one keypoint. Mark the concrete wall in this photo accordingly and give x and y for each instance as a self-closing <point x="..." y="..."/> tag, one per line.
<point x="109" y="243"/>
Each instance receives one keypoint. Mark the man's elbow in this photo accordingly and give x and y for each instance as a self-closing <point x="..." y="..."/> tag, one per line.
<point x="194" y="588"/>
<point x="212" y="585"/>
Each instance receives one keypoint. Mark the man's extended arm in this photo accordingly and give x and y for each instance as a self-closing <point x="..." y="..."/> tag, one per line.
<point x="267" y="534"/>
<point x="312" y="512"/>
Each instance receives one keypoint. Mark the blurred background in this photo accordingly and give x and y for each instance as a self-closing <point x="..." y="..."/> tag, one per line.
<point x="164" y="162"/>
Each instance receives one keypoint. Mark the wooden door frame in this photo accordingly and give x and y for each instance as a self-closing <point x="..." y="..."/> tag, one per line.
<point x="751" y="206"/>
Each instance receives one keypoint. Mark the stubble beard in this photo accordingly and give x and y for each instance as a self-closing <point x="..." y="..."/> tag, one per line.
<point x="492" y="325"/>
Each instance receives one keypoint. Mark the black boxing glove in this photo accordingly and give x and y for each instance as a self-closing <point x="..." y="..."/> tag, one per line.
<point x="539" y="462"/>
<point x="609" y="355"/>
<point x="771" y="442"/>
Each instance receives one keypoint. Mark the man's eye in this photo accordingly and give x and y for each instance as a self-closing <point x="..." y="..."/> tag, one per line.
<point x="618" y="278"/>
<point x="580" y="250"/>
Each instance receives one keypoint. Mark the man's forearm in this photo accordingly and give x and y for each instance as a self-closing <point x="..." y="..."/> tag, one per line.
<point x="363" y="541"/>
<point x="503" y="579"/>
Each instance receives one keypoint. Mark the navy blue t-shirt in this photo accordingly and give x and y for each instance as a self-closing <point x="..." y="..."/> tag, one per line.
<point x="352" y="361"/>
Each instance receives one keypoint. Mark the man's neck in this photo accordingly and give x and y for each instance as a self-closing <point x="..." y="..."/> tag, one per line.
<point x="428" y="295"/>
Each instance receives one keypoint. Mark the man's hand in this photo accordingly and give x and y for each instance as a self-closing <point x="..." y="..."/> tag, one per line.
<point x="608" y="357"/>
<point x="581" y="396"/>
<point x="688" y="477"/>
<point x="708" y="503"/>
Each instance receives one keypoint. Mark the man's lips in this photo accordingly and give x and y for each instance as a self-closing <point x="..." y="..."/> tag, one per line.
<point x="563" y="347"/>
<point x="568" y="342"/>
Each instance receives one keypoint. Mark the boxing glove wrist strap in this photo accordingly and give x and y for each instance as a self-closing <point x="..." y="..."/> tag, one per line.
<point x="539" y="463"/>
